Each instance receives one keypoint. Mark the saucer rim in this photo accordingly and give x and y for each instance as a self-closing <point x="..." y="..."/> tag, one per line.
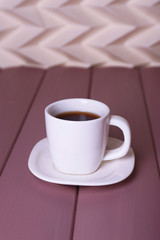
<point x="36" y="173"/>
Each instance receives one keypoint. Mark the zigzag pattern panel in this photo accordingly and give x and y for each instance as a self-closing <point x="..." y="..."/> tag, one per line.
<point x="84" y="33"/>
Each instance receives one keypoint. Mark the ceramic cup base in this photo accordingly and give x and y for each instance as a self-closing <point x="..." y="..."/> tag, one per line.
<point x="109" y="172"/>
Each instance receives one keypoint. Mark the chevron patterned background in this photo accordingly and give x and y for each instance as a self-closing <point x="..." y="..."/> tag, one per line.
<point x="83" y="33"/>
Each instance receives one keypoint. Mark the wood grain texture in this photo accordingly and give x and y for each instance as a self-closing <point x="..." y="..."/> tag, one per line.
<point x="151" y="84"/>
<point x="31" y="208"/>
<point x="17" y="90"/>
<point x="128" y="210"/>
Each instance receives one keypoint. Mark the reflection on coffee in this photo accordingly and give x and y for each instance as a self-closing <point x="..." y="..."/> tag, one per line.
<point x="77" y="116"/>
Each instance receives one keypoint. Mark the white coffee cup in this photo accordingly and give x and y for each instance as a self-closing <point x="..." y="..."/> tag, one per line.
<point x="79" y="147"/>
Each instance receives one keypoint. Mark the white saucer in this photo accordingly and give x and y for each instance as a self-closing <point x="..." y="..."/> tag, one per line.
<point x="110" y="172"/>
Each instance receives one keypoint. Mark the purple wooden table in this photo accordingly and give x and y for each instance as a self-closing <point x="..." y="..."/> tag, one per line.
<point x="33" y="209"/>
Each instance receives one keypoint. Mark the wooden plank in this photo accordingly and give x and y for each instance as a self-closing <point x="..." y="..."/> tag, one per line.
<point x="151" y="84"/>
<point x="31" y="208"/>
<point x="130" y="209"/>
<point x="17" y="89"/>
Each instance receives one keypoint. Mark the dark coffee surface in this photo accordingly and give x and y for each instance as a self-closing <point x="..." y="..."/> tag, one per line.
<point x="77" y="116"/>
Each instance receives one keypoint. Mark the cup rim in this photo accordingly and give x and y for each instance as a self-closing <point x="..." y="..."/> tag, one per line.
<point x="83" y="100"/>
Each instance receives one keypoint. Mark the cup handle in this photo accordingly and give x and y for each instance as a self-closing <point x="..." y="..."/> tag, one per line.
<point x="124" y="148"/>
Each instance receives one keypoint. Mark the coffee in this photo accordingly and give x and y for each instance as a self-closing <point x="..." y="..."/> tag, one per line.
<point x="77" y="116"/>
